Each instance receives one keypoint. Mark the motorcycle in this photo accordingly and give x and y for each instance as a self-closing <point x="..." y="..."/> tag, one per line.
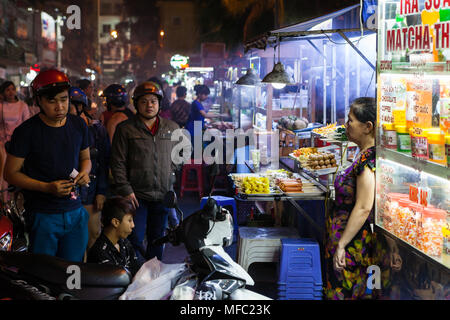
<point x="211" y="274"/>
<point x="13" y="236"/>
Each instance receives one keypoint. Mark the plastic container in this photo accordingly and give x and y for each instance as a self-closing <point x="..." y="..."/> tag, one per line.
<point x="412" y="224"/>
<point x="444" y="115"/>
<point x="390" y="207"/>
<point x="447" y="149"/>
<point x="403" y="139"/>
<point x="389" y="136"/>
<point x="410" y="114"/>
<point x="402" y="213"/>
<point x="436" y="146"/>
<point x="430" y="237"/>
<point x="419" y="143"/>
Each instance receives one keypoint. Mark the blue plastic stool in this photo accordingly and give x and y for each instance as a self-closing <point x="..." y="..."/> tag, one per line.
<point x="223" y="202"/>
<point x="300" y="275"/>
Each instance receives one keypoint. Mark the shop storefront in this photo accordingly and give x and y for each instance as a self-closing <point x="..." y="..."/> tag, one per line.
<point x="412" y="207"/>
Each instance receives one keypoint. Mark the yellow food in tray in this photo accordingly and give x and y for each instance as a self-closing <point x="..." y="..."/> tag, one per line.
<point x="254" y="185"/>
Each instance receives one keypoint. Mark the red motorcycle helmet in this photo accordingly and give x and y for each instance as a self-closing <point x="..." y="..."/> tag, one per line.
<point x="49" y="79"/>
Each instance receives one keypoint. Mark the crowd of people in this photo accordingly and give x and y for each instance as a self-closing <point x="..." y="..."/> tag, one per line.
<point x="94" y="182"/>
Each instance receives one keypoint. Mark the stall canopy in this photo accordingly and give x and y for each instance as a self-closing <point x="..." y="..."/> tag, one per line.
<point x="333" y="55"/>
<point x="314" y="29"/>
<point x="310" y="24"/>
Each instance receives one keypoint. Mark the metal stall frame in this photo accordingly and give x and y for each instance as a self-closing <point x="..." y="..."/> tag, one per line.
<point x="289" y="33"/>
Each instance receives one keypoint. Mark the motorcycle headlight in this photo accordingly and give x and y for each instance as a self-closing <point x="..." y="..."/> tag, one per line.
<point x="5" y="242"/>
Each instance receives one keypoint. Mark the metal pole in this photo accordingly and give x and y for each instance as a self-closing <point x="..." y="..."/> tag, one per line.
<point x="333" y="92"/>
<point x="347" y="81"/>
<point x="58" y="42"/>
<point x="357" y="50"/>
<point x="324" y="80"/>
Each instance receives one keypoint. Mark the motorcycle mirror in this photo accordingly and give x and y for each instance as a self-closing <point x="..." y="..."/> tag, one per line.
<point x="214" y="170"/>
<point x="170" y="199"/>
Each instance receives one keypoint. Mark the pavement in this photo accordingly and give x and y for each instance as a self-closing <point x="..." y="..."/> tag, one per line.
<point x="264" y="274"/>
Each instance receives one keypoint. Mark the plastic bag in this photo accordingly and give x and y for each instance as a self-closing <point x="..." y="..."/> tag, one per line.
<point x="153" y="281"/>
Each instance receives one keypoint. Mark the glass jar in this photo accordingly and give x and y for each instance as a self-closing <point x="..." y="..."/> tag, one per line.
<point x="430" y="237"/>
<point x="389" y="136"/>
<point x="419" y="143"/>
<point x="436" y="146"/>
<point x="403" y="139"/>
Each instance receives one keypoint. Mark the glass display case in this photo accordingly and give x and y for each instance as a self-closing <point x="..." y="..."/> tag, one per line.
<point x="413" y="100"/>
<point x="247" y="104"/>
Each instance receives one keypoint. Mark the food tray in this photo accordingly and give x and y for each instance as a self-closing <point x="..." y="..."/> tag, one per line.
<point x="273" y="190"/>
<point x="309" y="190"/>
<point x="319" y="172"/>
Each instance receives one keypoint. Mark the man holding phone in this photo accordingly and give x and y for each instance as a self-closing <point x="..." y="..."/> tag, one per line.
<point x="43" y="152"/>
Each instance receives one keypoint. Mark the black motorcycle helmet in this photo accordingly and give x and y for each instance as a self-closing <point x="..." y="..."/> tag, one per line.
<point x="116" y="95"/>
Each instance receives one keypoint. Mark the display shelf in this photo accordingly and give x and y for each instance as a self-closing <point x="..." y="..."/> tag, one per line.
<point x="443" y="261"/>
<point x="416" y="164"/>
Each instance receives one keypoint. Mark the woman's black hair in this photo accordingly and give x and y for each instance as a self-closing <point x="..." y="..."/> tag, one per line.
<point x="5" y="85"/>
<point x="365" y="109"/>
<point x="116" y="207"/>
<point x="201" y="89"/>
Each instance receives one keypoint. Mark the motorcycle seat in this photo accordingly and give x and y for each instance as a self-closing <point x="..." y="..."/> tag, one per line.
<point x="56" y="271"/>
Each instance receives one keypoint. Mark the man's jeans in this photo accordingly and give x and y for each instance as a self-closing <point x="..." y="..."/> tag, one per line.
<point x="150" y="220"/>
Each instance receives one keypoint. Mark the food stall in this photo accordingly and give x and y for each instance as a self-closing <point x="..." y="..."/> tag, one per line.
<point x="330" y="61"/>
<point x="412" y="202"/>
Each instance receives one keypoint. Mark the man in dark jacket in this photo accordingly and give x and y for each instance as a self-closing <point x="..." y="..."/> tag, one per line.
<point x="142" y="168"/>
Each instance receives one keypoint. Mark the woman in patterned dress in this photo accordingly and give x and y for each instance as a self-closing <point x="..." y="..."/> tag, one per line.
<point x="350" y="241"/>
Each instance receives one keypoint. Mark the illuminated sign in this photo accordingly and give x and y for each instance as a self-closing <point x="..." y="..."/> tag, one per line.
<point x="179" y="61"/>
<point x="433" y="33"/>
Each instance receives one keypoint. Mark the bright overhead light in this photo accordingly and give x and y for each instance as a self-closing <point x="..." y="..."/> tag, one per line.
<point x="278" y="86"/>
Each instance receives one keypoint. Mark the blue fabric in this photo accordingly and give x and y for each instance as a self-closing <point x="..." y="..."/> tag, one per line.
<point x="50" y="154"/>
<point x="150" y="220"/>
<point x="195" y="115"/>
<point x="64" y="235"/>
<point x="99" y="141"/>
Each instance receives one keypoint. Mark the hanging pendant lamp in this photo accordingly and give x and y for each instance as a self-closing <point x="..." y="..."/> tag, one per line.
<point x="278" y="77"/>
<point x="249" y="79"/>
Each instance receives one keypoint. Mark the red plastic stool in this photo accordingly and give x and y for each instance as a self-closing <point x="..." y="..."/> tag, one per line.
<point x="192" y="185"/>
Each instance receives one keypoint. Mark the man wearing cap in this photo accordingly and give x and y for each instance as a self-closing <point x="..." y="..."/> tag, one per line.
<point x="48" y="158"/>
<point x="142" y="168"/>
